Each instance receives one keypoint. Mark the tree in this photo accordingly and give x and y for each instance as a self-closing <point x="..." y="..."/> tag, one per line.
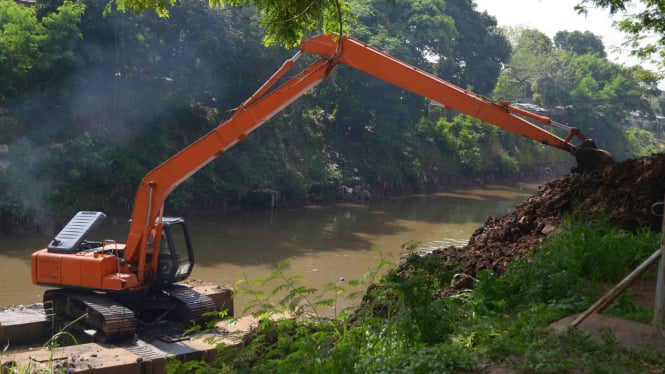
<point x="381" y="124"/>
<point x="286" y="21"/>
<point x="580" y="43"/>
<point x="135" y="88"/>
<point x="606" y="90"/>
<point x="480" y="50"/>
<point x="21" y="35"/>
<point x="583" y="89"/>
<point x="36" y="54"/>
<point x="528" y="63"/>
<point x="640" y="25"/>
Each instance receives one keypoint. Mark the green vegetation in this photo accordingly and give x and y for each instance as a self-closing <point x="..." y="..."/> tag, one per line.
<point x="91" y="102"/>
<point x="643" y="23"/>
<point x="572" y="76"/>
<point x="644" y="142"/>
<point x="285" y="22"/>
<point x="411" y="320"/>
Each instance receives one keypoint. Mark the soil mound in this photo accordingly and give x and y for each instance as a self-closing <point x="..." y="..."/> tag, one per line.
<point x="623" y="192"/>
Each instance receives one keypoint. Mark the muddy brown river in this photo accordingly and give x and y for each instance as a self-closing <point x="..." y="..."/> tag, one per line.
<point x="321" y="244"/>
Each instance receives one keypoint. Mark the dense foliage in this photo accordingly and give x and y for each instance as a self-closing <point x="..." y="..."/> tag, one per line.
<point x="286" y="21"/>
<point x="643" y="22"/>
<point x="409" y="323"/>
<point x="572" y="77"/>
<point x="91" y="102"/>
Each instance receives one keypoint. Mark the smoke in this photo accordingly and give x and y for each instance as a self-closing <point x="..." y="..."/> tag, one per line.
<point x="133" y="78"/>
<point x="25" y="190"/>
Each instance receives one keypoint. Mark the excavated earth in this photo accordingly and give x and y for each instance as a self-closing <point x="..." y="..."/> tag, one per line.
<point x="623" y="192"/>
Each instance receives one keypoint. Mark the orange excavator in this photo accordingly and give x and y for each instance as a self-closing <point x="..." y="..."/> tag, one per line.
<point x="117" y="286"/>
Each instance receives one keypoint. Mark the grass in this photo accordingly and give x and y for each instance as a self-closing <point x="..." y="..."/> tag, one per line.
<point x="405" y="325"/>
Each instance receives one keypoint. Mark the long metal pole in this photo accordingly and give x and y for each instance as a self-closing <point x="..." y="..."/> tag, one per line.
<point x="659" y="306"/>
<point x="659" y="303"/>
<point x="612" y="294"/>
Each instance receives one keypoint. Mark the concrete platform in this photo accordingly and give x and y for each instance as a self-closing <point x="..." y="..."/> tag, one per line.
<point x="629" y="335"/>
<point x="24" y="329"/>
<point x="144" y="355"/>
<point x="24" y="324"/>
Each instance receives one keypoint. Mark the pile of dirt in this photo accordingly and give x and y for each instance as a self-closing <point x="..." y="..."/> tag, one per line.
<point x="624" y="193"/>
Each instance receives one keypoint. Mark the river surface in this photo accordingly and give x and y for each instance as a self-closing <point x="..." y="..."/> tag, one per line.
<point x="322" y="245"/>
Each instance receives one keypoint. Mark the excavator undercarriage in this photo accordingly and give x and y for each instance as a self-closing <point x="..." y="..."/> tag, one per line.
<point x="116" y="317"/>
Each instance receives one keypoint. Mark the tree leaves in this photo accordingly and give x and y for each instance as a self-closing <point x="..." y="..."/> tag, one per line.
<point x="286" y="22"/>
<point x="580" y="43"/>
<point x="644" y="24"/>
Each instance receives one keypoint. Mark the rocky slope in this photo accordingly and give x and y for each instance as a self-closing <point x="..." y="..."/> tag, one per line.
<point x="623" y="192"/>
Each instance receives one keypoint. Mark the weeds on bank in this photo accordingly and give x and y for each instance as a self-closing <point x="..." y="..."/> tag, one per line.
<point x="404" y="324"/>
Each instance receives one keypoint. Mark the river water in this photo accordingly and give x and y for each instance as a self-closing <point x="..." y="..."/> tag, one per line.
<point x="322" y="245"/>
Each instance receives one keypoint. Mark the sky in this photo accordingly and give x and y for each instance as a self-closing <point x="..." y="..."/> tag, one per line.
<point x="551" y="16"/>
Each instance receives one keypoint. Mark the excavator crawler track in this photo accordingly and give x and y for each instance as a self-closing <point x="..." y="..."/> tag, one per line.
<point x="112" y="321"/>
<point x="191" y="305"/>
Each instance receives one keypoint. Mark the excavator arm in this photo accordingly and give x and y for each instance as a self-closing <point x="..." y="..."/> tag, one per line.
<point x="360" y="56"/>
<point x="260" y="107"/>
<point x="158" y="183"/>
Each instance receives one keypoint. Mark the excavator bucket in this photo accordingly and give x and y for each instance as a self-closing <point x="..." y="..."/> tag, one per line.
<point x="590" y="158"/>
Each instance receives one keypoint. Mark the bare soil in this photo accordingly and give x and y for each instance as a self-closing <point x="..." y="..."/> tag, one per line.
<point x="624" y="193"/>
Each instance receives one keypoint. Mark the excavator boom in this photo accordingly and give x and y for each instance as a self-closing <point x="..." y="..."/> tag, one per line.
<point x="385" y="67"/>
<point x="360" y="56"/>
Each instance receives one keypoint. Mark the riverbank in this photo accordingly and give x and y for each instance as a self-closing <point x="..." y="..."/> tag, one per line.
<point x="488" y="306"/>
<point x="413" y="320"/>
<point x="355" y="190"/>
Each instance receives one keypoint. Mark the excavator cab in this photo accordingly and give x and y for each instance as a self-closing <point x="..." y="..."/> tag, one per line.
<point x="176" y="257"/>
